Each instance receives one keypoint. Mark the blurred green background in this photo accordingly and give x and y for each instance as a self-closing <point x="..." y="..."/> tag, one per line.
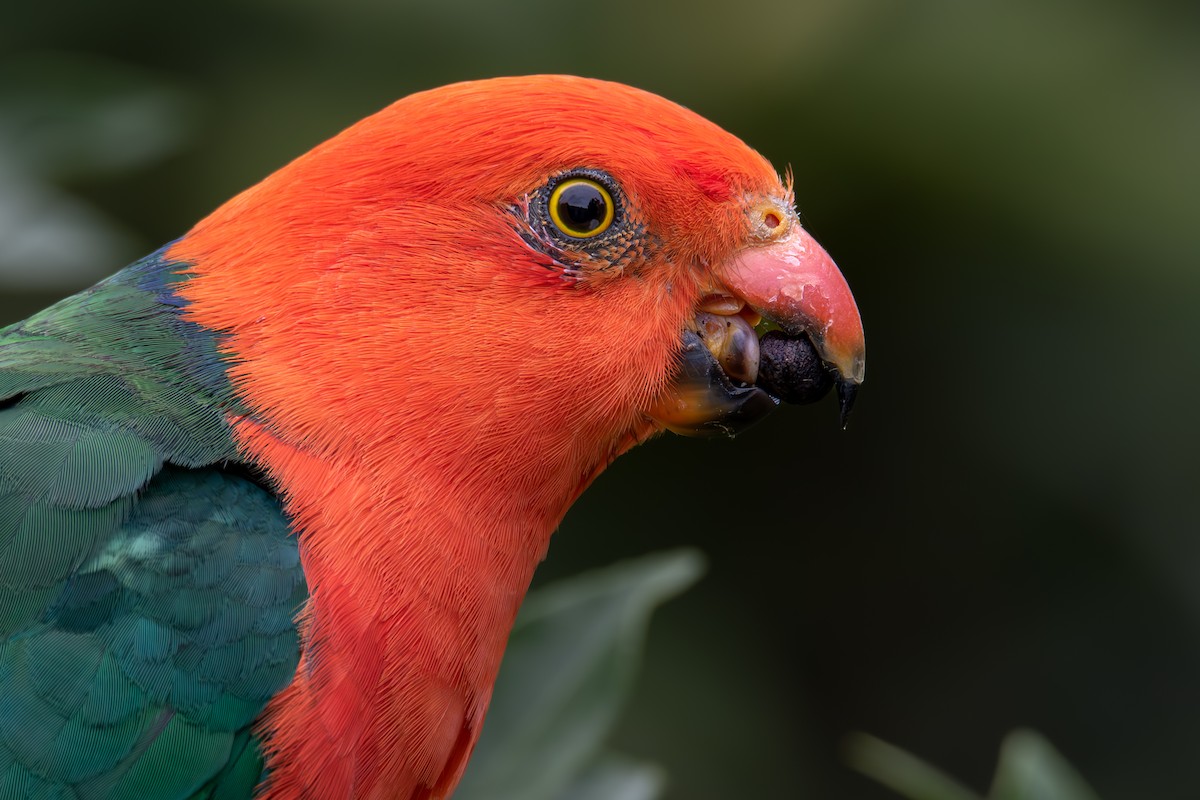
<point x="1007" y="535"/>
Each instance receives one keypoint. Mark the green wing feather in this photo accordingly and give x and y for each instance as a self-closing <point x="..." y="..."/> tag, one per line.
<point x="148" y="588"/>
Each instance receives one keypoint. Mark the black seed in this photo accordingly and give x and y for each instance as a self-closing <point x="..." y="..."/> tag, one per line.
<point x="790" y="369"/>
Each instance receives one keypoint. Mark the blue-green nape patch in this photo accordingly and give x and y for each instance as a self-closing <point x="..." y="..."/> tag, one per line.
<point x="148" y="592"/>
<point x="124" y="355"/>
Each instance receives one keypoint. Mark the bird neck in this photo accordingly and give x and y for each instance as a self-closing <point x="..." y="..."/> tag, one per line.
<point x="414" y="587"/>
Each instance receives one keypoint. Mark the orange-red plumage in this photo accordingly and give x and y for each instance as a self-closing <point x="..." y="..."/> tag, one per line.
<point x="430" y="394"/>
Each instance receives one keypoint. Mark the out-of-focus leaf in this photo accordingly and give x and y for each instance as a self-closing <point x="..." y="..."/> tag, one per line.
<point x="64" y="118"/>
<point x="67" y="115"/>
<point x="49" y="238"/>
<point x="570" y="662"/>
<point x="616" y="777"/>
<point x="902" y="771"/>
<point x="1031" y="769"/>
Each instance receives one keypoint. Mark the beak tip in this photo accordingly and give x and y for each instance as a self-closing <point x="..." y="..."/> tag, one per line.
<point x="847" y="390"/>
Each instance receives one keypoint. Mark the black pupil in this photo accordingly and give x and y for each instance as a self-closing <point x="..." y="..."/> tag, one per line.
<point x="581" y="207"/>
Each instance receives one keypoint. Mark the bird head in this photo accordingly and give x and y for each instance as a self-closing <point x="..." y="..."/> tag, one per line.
<point x="554" y="249"/>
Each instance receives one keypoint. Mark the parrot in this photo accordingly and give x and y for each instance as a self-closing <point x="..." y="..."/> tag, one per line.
<point x="272" y="495"/>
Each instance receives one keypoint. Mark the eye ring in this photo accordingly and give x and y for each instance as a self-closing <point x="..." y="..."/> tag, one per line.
<point x="581" y="207"/>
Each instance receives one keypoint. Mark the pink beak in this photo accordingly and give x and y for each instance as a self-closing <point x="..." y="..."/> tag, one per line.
<point x="794" y="283"/>
<point x="726" y="379"/>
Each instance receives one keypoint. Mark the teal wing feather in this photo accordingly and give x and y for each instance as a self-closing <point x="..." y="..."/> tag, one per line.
<point x="148" y="586"/>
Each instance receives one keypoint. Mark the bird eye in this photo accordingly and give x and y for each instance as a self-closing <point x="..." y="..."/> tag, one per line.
<point x="581" y="207"/>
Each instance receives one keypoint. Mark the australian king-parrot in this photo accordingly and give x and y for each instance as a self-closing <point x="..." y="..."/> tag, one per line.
<point x="271" y="496"/>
